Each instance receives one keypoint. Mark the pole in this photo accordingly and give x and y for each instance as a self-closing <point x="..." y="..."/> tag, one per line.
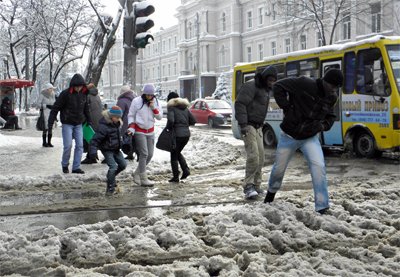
<point x="129" y="51"/>
<point x="26" y="69"/>
<point x="198" y="54"/>
<point x="109" y="78"/>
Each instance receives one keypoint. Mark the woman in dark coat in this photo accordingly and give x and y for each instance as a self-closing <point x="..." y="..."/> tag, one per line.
<point x="8" y="114"/>
<point x="179" y="119"/>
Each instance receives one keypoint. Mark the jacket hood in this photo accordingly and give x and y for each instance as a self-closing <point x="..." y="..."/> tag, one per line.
<point x="268" y="71"/>
<point x="77" y="80"/>
<point x="127" y="94"/>
<point x="178" y="102"/>
<point x="93" y="91"/>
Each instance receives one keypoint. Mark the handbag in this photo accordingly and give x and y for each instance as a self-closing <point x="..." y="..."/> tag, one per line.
<point x="166" y="140"/>
<point x="40" y="121"/>
<point x="127" y="145"/>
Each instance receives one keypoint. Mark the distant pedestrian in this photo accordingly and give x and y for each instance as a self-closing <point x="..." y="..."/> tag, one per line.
<point x="95" y="111"/>
<point x="8" y="114"/>
<point x="108" y="140"/>
<point x="142" y="114"/>
<point x="72" y="103"/>
<point x="179" y="119"/>
<point x="45" y="102"/>
<point x="308" y="107"/>
<point x="124" y="102"/>
<point x="251" y="108"/>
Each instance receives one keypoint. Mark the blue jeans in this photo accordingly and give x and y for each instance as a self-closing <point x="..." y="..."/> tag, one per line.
<point x="312" y="151"/>
<point x="116" y="163"/>
<point x="70" y="132"/>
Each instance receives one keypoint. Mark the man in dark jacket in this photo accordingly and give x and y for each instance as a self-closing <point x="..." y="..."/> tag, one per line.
<point x="8" y="114"/>
<point x="307" y="105"/>
<point x="251" y="108"/>
<point x="73" y="106"/>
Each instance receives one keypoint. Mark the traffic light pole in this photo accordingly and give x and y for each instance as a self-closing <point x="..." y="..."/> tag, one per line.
<point x="130" y="53"/>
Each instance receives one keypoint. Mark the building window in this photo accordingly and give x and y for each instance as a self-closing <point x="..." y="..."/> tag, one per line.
<point x="260" y="51"/>
<point x="303" y="42"/>
<point x="163" y="46"/>
<point x="260" y="16"/>
<point x="288" y="47"/>
<point x="174" y="68"/>
<point x="190" y="30"/>
<point x="319" y="39"/>
<point x="169" y="70"/>
<point x="175" y="41"/>
<point x="273" y="48"/>
<point x="248" y="50"/>
<point x="223" y="22"/>
<point x="273" y="11"/>
<point x="169" y="44"/>
<point x="346" y="26"/>
<point x="249" y="19"/>
<point x="376" y="17"/>
<point x="191" y="62"/>
<point x="222" y="56"/>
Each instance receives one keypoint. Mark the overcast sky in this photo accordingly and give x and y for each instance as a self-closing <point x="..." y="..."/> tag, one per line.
<point x="163" y="15"/>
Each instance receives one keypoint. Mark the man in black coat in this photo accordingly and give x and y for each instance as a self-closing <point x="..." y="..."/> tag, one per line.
<point x="307" y="105"/>
<point x="251" y="108"/>
<point x="72" y="103"/>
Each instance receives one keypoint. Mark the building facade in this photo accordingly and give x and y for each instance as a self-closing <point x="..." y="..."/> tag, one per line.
<point x="212" y="36"/>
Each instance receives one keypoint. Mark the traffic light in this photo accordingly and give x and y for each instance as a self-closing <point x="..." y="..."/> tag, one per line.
<point x="142" y="23"/>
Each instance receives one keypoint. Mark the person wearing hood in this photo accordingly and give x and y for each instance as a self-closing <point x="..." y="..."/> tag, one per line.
<point x="124" y="102"/>
<point x="8" y="114"/>
<point x="72" y="103"/>
<point x="95" y="111"/>
<point x="251" y="108"/>
<point x="108" y="139"/>
<point x="308" y="108"/>
<point x="179" y="119"/>
<point x="45" y="102"/>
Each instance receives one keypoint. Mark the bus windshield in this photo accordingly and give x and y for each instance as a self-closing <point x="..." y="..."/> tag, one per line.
<point x="394" y="56"/>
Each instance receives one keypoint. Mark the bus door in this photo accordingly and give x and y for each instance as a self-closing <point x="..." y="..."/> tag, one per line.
<point x="334" y="135"/>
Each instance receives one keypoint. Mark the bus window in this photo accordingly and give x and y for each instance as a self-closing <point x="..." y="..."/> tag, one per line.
<point x="349" y="72"/>
<point x="248" y="76"/>
<point x="394" y="56"/>
<point x="292" y="69"/>
<point x="280" y="68"/>
<point x="309" y="68"/>
<point x="370" y="69"/>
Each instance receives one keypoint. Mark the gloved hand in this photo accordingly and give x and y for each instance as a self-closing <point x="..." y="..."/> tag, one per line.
<point x="151" y="104"/>
<point x="130" y="131"/>
<point x="244" y="130"/>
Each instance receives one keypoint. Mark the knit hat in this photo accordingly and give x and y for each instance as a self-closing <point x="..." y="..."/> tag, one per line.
<point x="124" y="89"/>
<point x="334" y="77"/>
<point x="148" y="89"/>
<point x="48" y="86"/>
<point x="172" y="95"/>
<point x="115" y="111"/>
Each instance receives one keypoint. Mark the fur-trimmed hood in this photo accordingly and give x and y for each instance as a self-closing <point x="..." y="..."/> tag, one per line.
<point x="107" y="117"/>
<point x="178" y="102"/>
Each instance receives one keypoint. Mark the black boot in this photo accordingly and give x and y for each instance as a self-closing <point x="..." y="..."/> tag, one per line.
<point x="185" y="168"/>
<point x="175" y="172"/>
<point x="44" y="144"/>
<point x="49" y="136"/>
<point x="269" y="197"/>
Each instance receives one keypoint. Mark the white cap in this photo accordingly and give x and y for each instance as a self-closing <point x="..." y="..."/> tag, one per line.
<point x="48" y="86"/>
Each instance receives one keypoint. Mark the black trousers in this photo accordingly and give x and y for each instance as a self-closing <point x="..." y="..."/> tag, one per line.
<point x="176" y="155"/>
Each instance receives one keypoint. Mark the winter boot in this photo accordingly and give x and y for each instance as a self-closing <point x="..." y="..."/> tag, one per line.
<point x="44" y="141"/>
<point x="269" y="197"/>
<point x="136" y="177"/>
<point x="185" y="168"/>
<point x="175" y="172"/>
<point x="144" y="182"/>
<point x="49" y="136"/>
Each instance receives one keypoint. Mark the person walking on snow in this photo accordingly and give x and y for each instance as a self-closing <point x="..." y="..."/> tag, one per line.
<point x="108" y="139"/>
<point x="179" y="119"/>
<point x="308" y="107"/>
<point x="73" y="106"/>
<point x="251" y="108"/>
<point x="124" y="102"/>
<point x="45" y="102"/>
<point x="95" y="111"/>
<point x="142" y="114"/>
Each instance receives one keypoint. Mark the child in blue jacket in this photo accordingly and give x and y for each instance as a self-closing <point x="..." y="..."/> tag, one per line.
<point x="108" y="140"/>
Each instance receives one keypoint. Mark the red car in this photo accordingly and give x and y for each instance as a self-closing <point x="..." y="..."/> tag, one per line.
<point x="213" y="112"/>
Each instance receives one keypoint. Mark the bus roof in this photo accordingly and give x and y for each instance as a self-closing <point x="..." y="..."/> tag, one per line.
<point x="326" y="48"/>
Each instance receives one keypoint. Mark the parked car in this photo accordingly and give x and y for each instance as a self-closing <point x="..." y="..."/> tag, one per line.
<point x="212" y="112"/>
<point x="108" y="103"/>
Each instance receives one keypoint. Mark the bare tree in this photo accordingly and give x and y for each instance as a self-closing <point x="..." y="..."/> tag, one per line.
<point x="103" y="39"/>
<point x="322" y="15"/>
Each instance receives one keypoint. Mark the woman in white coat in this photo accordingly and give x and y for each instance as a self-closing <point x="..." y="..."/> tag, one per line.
<point x="142" y="114"/>
<point x="45" y="102"/>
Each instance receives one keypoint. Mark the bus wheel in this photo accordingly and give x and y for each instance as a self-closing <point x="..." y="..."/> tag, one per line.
<point x="269" y="137"/>
<point x="364" y="146"/>
<point x="210" y="122"/>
